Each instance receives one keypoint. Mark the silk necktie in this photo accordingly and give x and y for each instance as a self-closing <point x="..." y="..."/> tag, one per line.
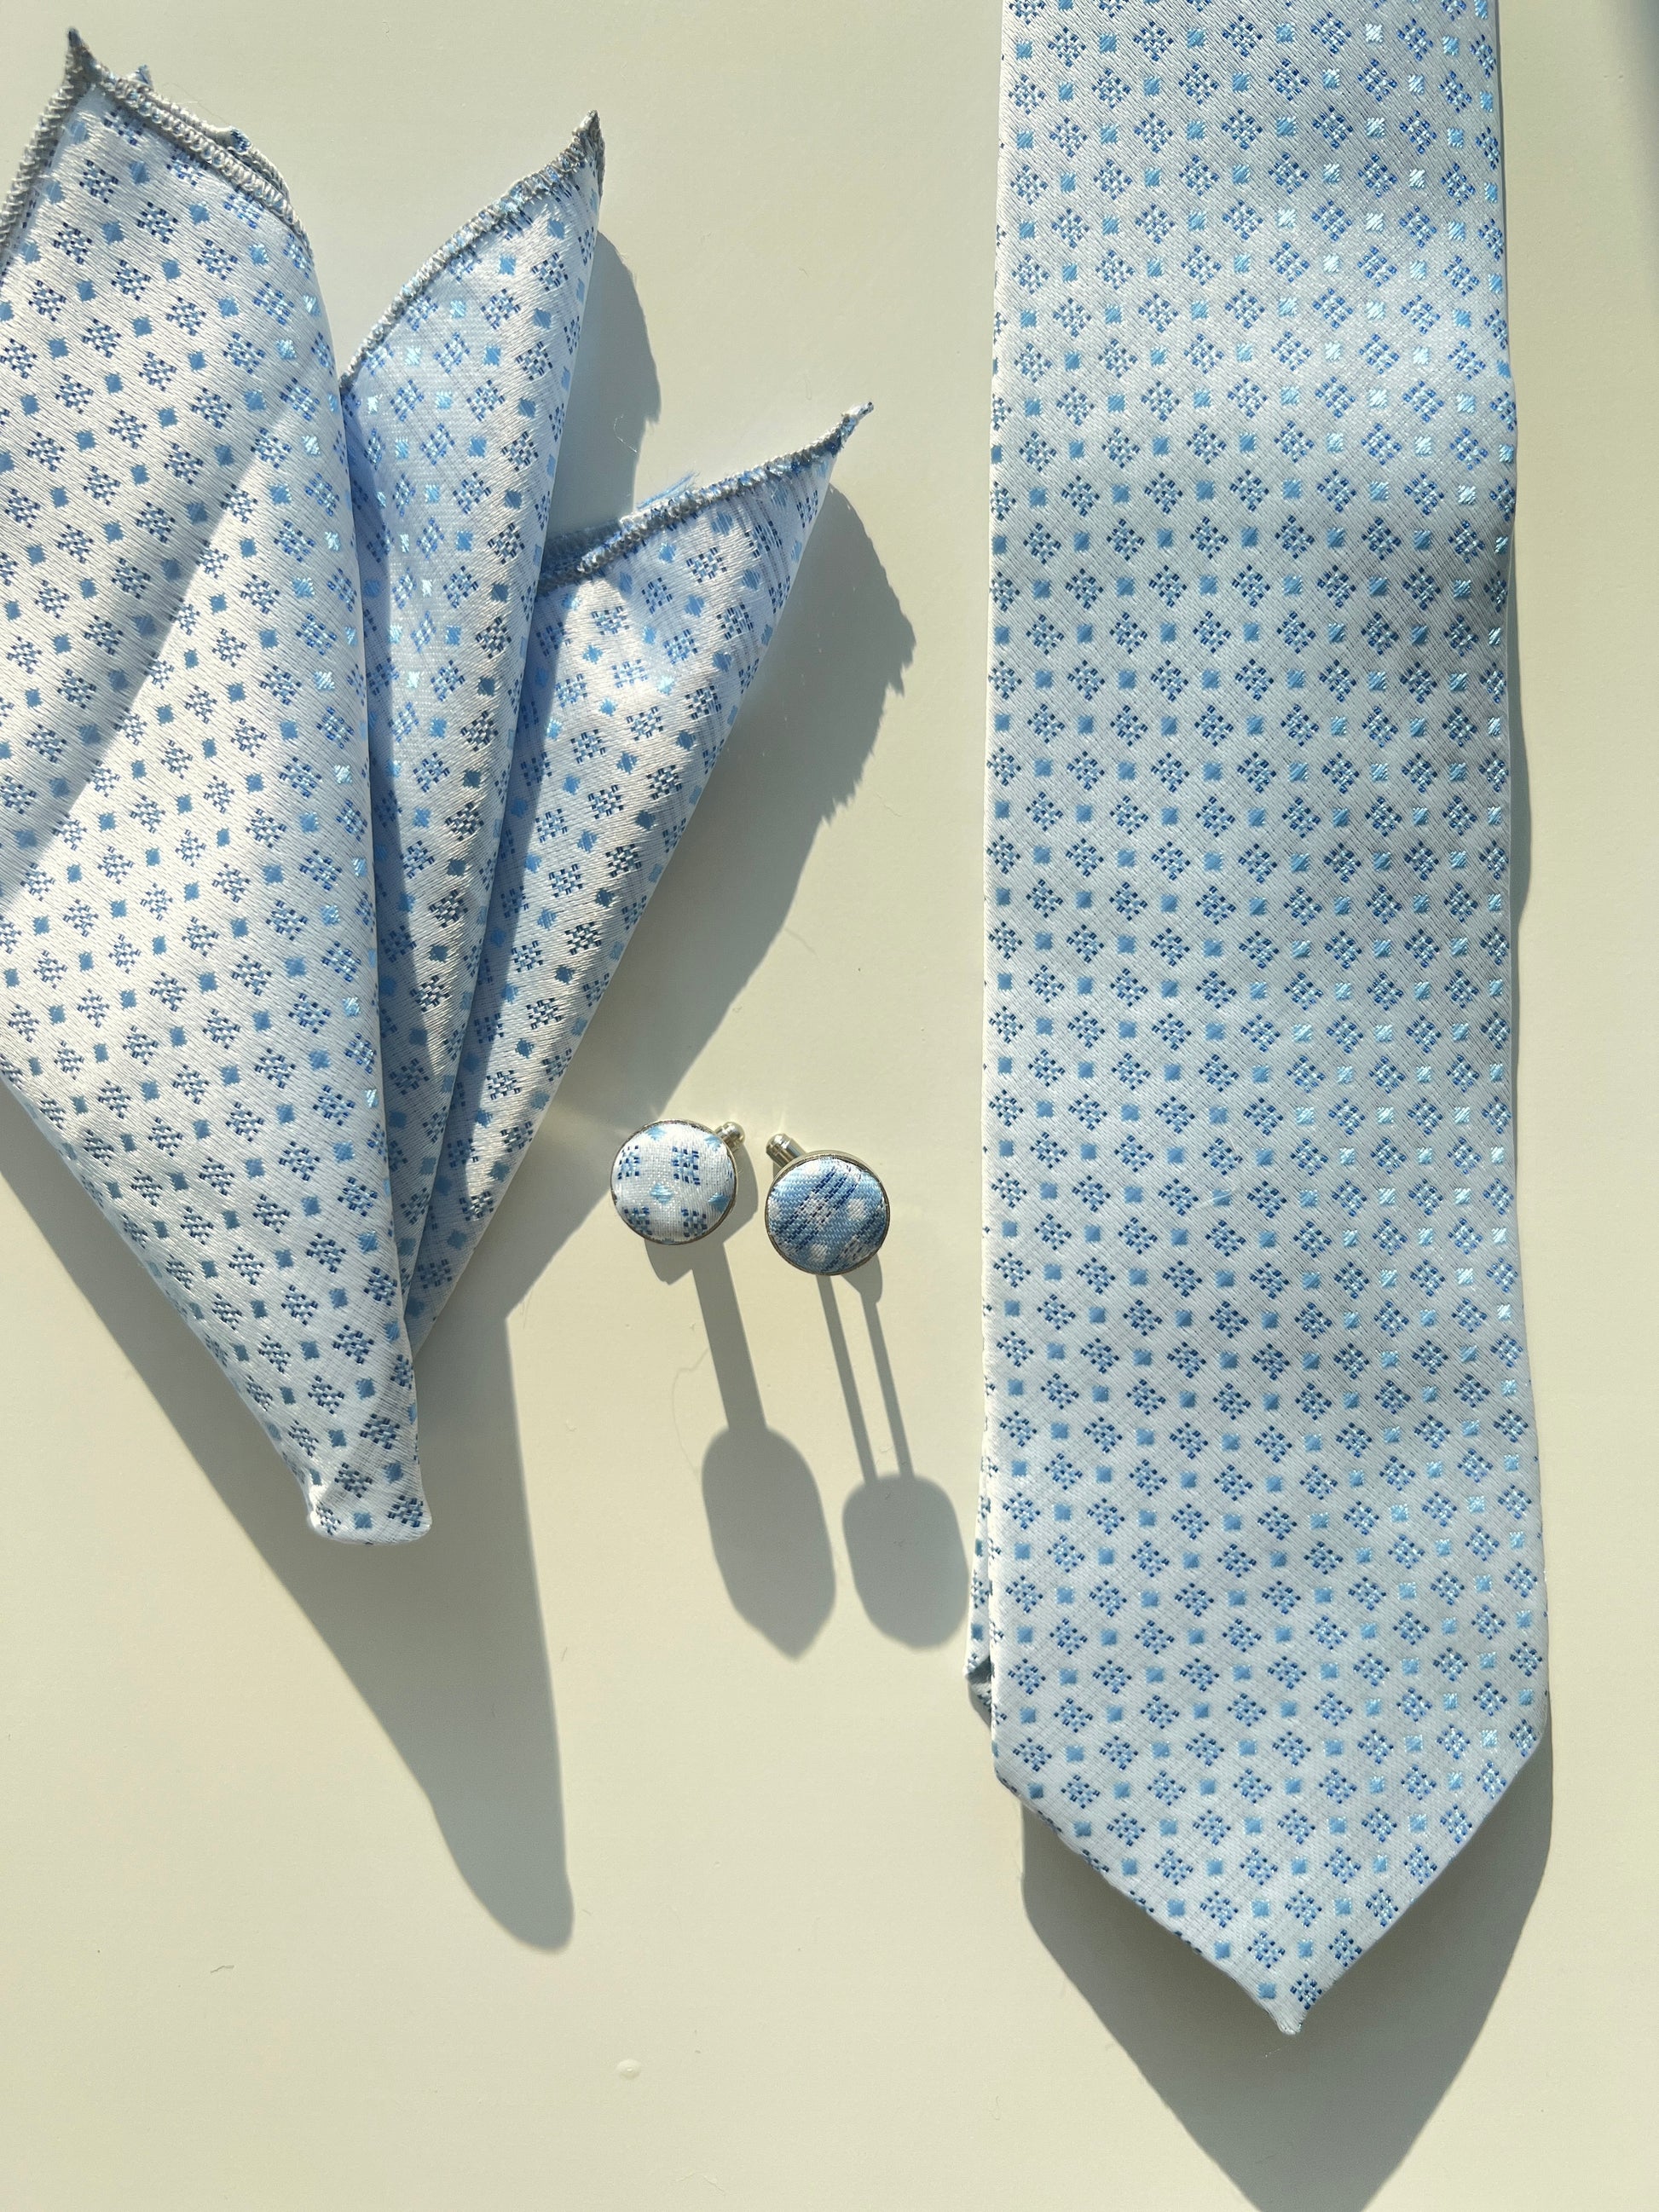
<point x="1258" y="1617"/>
<point x="330" y="791"/>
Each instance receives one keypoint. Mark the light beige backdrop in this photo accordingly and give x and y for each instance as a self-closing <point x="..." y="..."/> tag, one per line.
<point x="630" y="1844"/>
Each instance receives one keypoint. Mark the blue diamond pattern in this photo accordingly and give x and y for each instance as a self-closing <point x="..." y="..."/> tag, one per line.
<point x="1259" y="1608"/>
<point x="330" y="791"/>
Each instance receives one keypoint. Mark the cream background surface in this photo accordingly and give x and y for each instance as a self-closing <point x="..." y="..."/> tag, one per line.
<point x="630" y="1844"/>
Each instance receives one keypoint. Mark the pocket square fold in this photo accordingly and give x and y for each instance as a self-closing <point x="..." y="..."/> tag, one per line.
<point x="330" y="791"/>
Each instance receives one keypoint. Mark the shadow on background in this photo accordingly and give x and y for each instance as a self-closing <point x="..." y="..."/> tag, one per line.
<point x="444" y="1639"/>
<point x="1641" y="22"/>
<point x="1318" y="2122"/>
<point x="766" y="1523"/>
<point x="903" y="1541"/>
<point x="614" y="397"/>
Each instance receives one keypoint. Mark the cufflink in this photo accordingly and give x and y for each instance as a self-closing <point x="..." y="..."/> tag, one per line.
<point x="675" y="1181"/>
<point x="826" y="1213"/>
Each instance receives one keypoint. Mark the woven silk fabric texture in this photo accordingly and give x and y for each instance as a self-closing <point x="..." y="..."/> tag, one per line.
<point x="330" y="791"/>
<point x="1258" y="1612"/>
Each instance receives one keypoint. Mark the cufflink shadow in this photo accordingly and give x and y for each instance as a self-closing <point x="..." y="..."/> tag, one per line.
<point x="903" y="1541"/>
<point x="442" y="1638"/>
<point x="766" y="1521"/>
<point x="1319" y="2121"/>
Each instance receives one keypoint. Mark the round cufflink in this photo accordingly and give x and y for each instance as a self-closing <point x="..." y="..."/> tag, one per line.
<point x="826" y="1213"/>
<point x="675" y="1181"/>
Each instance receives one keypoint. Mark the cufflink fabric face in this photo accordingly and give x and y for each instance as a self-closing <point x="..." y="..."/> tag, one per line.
<point x="826" y="1213"/>
<point x="675" y="1181"/>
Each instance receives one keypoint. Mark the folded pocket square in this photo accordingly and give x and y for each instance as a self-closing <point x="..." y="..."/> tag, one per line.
<point x="330" y="791"/>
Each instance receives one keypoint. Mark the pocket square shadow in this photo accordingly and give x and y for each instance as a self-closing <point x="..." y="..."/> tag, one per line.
<point x="444" y="1639"/>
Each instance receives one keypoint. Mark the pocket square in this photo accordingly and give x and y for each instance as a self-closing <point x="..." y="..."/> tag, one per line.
<point x="330" y="791"/>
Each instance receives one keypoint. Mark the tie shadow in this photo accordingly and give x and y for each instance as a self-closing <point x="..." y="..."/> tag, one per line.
<point x="444" y="1639"/>
<point x="1316" y="2122"/>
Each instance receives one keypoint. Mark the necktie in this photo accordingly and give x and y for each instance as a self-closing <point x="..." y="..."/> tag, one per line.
<point x="330" y="791"/>
<point x="1258" y="1612"/>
